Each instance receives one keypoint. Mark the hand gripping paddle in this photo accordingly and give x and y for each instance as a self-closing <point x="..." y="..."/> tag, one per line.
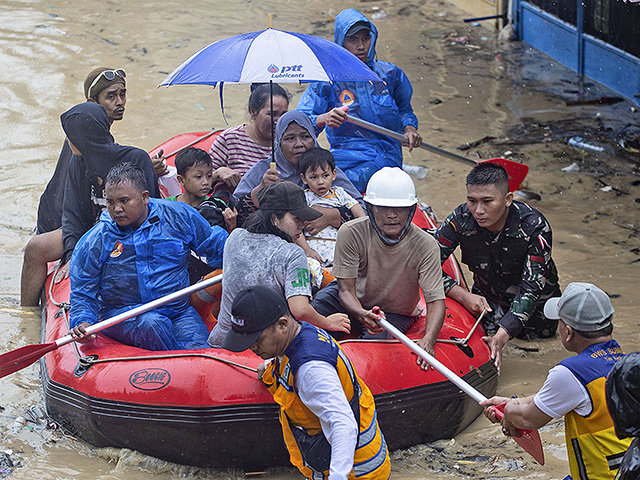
<point x="528" y="439"/>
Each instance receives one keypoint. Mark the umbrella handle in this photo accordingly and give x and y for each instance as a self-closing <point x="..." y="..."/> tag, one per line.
<point x="134" y="312"/>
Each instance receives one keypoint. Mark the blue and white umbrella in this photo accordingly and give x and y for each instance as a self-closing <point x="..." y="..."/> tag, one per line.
<point x="271" y="56"/>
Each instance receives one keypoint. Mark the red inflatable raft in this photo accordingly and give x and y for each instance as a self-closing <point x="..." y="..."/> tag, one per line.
<point x="207" y="408"/>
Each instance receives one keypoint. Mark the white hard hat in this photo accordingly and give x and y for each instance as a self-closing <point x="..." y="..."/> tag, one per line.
<point x="391" y="187"/>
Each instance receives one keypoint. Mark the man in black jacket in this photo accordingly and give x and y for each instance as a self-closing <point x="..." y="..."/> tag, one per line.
<point x="106" y="87"/>
<point x="95" y="152"/>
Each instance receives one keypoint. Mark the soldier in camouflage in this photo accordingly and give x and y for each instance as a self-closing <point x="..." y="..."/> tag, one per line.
<point x="507" y="246"/>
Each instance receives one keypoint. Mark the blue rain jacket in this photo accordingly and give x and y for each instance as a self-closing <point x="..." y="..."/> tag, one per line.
<point x="113" y="270"/>
<point x="360" y="152"/>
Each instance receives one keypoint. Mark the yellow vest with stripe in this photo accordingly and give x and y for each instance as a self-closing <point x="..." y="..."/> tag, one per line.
<point x="301" y="427"/>
<point x="594" y="450"/>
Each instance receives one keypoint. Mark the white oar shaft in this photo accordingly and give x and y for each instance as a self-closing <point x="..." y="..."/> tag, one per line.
<point x="431" y="360"/>
<point x="144" y="308"/>
<point x="403" y="138"/>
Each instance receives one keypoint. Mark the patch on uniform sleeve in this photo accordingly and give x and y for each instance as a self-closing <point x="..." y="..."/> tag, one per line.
<point x="347" y="97"/>
<point x="117" y="249"/>
<point x="444" y="241"/>
<point x="543" y="243"/>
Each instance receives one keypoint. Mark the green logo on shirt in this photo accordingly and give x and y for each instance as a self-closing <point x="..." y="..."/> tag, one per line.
<point x="303" y="278"/>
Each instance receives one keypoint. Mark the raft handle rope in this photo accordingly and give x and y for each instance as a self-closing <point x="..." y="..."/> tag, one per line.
<point x="89" y="360"/>
<point x="62" y="305"/>
<point x="463" y="341"/>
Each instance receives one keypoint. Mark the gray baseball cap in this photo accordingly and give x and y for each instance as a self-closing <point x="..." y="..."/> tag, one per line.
<point x="582" y="306"/>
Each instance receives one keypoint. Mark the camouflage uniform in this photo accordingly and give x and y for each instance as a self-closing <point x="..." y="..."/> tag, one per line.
<point x="512" y="269"/>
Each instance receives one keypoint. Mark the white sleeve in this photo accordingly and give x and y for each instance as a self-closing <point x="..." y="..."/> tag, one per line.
<point x="320" y="390"/>
<point x="561" y="393"/>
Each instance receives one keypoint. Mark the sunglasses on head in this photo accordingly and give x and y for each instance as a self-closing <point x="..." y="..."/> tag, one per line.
<point x="109" y="75"/>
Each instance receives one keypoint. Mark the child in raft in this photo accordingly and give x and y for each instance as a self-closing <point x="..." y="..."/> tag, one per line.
<point x="195" y="175"/>
<point x="318" y="171"/>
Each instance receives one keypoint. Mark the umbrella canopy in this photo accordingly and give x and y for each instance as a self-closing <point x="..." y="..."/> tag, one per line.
<point x="271" y="56"/>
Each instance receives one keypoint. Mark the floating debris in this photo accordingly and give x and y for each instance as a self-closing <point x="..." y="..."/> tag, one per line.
<point x="106" y="40"/>
<point x="475" y="143"/>
<point x="416" y="171"/>
<point x="6" y="464"/>
<point x="18" y="423"/>
<point x="581" y="143"/>
<point x="528" y="195"/>
<point x="573" y="168"/>
<point x="594" y="101"/>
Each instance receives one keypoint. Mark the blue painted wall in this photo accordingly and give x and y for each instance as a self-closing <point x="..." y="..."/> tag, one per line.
<point x="583" y="53"/>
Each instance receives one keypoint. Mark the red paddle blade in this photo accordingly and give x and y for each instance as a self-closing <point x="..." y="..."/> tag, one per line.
<point x="528" y="439"/>
<point x="23" y="357"/>
<point x="516" y="171"/>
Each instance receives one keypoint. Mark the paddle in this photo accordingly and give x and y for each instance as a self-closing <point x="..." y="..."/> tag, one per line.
<point x="23" y="357"/>
<point x="516" y="171"/>
<point x="529" y="439"/>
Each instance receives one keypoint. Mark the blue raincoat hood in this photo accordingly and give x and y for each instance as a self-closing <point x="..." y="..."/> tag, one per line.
<point x="345" y="20"/>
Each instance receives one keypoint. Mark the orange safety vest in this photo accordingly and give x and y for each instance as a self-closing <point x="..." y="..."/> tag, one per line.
<point x="307" y="445"/>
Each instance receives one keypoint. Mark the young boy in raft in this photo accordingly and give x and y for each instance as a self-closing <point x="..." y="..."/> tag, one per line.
<point x="318" y="171"/>
<point x="195" y="175"/>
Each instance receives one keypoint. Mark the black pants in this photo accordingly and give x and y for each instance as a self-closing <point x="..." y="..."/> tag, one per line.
<point x="327" y="303"/>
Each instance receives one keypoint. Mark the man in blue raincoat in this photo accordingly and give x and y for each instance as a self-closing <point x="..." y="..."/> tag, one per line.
<point x="360" y="152"/>
<point x="138" y="252"/>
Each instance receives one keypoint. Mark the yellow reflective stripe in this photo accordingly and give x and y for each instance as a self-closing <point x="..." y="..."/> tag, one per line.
<point x="369" y="434"/>
<point x="375" y="462"/>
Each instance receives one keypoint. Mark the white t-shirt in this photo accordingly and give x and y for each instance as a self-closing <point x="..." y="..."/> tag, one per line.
<point x="561" y="393"/>
<point x="320" y="390"/>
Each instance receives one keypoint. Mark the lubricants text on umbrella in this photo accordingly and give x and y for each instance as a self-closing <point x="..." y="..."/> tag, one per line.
<point x="285" y="71"/>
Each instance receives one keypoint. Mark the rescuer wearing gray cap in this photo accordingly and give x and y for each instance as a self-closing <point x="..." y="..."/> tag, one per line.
<point x="575" y="388"/>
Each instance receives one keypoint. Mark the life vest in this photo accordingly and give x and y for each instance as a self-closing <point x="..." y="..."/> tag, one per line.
<point x="308" y="448"/>
<point x="595" y="452"/>
<point x="207" y="300"/>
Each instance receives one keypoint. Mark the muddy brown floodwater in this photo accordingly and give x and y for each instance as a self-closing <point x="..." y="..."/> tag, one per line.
<point x="463" y="92"/>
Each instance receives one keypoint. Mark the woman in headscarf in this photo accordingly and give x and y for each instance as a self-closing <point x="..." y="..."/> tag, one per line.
<point x="87" y="128"/>
<point x="238" y="148"/>
<point x="294" y="135"/>
<point x="263" y="253"/>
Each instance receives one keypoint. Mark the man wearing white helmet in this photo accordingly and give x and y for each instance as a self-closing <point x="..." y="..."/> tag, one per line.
<point x="384" y="260"/>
